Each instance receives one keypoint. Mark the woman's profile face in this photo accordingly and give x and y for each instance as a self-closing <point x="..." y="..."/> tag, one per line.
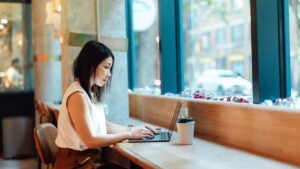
<point x="102" y="73"/>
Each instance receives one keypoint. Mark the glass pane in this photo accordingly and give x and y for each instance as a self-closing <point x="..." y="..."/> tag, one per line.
<point x="217" y="38"/>
<point x="294" y="13"/>
<point x="147" y="56"/>
<point x="12" y="46"/>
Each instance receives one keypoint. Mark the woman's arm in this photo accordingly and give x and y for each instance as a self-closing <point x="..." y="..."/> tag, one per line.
<point x="115" y="128"/>
<point x="77" y="106"/>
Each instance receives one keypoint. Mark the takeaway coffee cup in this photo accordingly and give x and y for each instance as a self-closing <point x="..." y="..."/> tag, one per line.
<point x="185" y="128"/>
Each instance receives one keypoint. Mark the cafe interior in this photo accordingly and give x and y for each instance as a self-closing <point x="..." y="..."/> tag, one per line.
<point x="233" y="64"/>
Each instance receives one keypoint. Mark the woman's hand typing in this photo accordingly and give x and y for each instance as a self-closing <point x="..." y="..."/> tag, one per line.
<point x="142" y="131"/>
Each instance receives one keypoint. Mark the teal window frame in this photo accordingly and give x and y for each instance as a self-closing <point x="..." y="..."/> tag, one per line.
<point x="130" y="53"/>
<point x="171" y="36"/>
<point x="270" y="50"/>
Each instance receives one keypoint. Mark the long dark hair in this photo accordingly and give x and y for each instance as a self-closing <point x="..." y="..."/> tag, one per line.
<point x="85" y="65"/>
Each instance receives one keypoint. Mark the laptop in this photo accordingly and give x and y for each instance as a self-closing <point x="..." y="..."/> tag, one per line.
<point x="162" y="136"/>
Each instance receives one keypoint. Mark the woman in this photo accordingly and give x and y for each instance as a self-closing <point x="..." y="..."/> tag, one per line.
<point x="82" y="127"/>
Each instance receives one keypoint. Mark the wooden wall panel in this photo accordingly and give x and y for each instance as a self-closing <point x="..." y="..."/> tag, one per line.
<point x="267" y="131"/>
<point x="152" y="109"/>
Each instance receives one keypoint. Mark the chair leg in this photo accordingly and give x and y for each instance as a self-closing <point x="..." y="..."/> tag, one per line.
<point x="39" y="163"/>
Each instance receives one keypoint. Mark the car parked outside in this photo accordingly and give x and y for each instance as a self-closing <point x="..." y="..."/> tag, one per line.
<point x="223" y="82"/>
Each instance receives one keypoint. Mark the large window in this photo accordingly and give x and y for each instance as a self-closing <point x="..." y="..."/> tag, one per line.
<point x="15" y="47"/>
<point x="146" y="46"/>
<point x="228" y="48"/>
<point x="218" y="48"/>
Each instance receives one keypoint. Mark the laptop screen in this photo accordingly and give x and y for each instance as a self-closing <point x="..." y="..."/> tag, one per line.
<point x="175" y="116"/>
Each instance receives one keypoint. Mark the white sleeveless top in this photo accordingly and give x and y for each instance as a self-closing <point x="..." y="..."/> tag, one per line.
<point x="67" y="135"/>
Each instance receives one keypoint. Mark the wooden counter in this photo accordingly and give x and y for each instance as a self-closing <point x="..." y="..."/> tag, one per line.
<point x="202" y="154"/>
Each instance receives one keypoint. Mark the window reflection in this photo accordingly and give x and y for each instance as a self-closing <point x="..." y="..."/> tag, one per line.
<point x="12" y="48"/>
<point x="218" y="42"/>
<point x="146" y="33"/>
<point x="13" y="77"/>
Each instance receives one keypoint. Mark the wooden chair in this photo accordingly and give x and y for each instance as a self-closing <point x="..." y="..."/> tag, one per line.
<point x="45" y="115"/>
<point x="42" y="110"/>
<point x="38" y="105"/>
<point x="49" y="115"/>
<point x="44" y="137"/>
<point x="53" y="113"/>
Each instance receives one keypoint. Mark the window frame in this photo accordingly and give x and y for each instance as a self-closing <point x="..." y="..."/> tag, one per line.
<point x="171" y="36"/>
<point x="270" y="47"/>
<point x="130" y="53"/>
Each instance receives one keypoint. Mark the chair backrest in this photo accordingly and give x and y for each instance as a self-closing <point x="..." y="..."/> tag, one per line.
<point x="42" y="110"/>
<point x="48" y="115"/>
<point x="53" y="113"/>
<point x="38" y="105"/>
<point x="44" y="137"/>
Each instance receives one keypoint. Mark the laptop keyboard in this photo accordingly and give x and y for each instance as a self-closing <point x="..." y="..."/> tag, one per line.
<point x="159" y="136"/>
<point x="149" y="138"/>
<point x="162" y="136"/>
